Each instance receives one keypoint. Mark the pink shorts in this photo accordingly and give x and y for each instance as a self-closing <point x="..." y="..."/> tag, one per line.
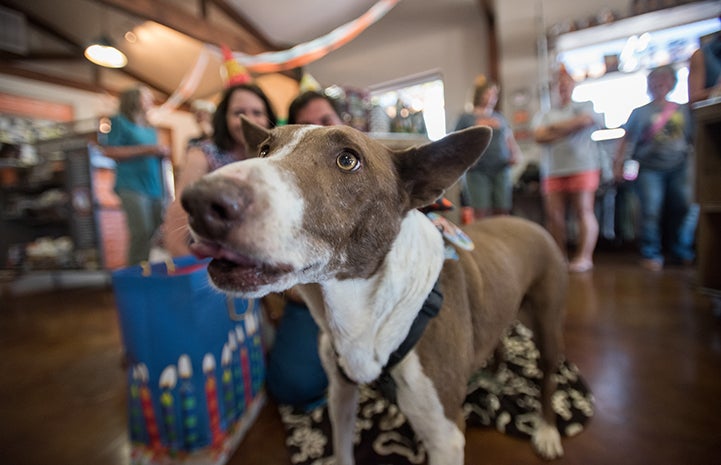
<point x="579" y="182"/>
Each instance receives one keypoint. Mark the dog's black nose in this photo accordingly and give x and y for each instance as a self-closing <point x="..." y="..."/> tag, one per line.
<point x="214" y="206"/>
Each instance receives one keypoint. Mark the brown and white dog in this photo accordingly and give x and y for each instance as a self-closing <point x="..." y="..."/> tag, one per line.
<point x="333" y="212"/>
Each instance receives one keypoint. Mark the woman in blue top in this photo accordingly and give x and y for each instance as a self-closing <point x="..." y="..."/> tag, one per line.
<point x="488" y="187"/>
<point x="133" y="143"/>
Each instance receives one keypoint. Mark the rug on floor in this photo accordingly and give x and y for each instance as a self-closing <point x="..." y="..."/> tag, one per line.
<point x="506" y="399"/>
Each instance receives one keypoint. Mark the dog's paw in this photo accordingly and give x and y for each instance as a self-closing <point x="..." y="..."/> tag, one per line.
<point x="546" y="441"/>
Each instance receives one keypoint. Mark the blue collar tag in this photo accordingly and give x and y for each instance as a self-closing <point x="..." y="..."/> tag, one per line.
<point x="450" y="252"/>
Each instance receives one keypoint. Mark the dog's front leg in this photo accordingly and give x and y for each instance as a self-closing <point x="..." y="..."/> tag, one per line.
<point x="419" y="401"/>
<point x="342" y="404"/>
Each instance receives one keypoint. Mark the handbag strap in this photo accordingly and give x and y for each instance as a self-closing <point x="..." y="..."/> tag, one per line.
<point x="233" y="313"/>
<point x="147" y="268"/>
<point x="668" y="110"/>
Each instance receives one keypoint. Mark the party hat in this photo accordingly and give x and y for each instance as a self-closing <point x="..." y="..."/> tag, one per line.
<point x="234" y="72"/>
<point x="308" y="83"/>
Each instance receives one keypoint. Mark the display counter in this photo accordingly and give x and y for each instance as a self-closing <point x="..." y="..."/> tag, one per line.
<point x="708" y="195"/>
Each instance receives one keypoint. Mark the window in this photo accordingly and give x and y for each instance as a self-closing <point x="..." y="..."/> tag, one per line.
<point x="413" y="105"/>
<point x="616" y="69"/>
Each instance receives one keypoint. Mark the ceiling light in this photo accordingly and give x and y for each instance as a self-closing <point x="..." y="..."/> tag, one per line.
<point x="103" y="53"/>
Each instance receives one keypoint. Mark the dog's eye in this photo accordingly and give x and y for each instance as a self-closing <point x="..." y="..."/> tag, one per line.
<point x="264" y="150"/>
<point x="348" y="161"/>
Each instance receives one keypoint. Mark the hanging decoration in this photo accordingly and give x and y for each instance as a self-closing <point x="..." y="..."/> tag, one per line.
<point x="233" y="72"/>
<point x="187" y="86"/>
<point x="270" y="62"/>
<point x="308" y="52"/>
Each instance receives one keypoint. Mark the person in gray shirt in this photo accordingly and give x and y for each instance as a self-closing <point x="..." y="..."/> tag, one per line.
<point x="659" y="136"/>
<point x="570" y="169"/>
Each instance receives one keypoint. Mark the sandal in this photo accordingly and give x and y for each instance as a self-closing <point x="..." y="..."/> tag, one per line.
<point x="580" y="266"/>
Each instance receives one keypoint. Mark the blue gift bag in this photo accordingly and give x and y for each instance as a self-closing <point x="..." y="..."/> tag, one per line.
<point x="195" y="362"/>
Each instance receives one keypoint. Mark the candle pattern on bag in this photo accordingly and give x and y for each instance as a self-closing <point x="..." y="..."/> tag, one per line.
<point x="136" y="410"/>
<point x="168" y="420"/>
<point x="245" y="367"/>
<point x="211" y="400"/>
<point x="256" y="353"/>
<point x="237" y="374"/>
<point x="227" y="386"/>
<point x="167" y="383"/>
<point x="146" y="404"/>
<point x="189" y="405"/>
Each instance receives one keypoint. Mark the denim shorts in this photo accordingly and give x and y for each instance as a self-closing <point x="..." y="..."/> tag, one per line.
<point x="490" y="190"/>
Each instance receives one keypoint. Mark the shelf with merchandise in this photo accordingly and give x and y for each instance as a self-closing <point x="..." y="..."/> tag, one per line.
<point x="48" y="210"/>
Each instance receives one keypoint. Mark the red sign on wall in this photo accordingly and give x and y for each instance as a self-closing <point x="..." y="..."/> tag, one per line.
<point x="35" y="109"/>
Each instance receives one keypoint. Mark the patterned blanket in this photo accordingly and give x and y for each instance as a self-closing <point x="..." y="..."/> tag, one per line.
<point x="506" y="398"/>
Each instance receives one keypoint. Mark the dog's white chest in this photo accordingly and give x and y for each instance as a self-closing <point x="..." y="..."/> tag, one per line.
<point x="369" y="318"/>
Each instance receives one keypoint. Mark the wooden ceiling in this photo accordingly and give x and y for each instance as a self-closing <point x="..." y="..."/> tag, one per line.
<point x="58" y="32"/>
<point x="171" y="35"/>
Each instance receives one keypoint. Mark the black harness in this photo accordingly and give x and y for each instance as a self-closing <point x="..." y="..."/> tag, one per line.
<point x="385" y="382"/>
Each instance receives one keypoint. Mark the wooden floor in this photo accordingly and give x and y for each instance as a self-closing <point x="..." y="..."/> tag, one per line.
<point x="647" y="343"/>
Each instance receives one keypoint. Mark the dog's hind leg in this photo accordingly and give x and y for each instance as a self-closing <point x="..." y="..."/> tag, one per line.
<point x="546" y="439"/>
<point x="419" y="401"/>
<point x="342" y="404"/>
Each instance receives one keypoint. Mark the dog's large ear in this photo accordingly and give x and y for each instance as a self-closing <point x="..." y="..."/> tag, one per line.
<point x="254" y="134"/>
<point x="428" y="170"/>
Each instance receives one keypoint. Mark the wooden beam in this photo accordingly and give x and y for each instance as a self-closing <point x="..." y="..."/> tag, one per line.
<point x="167" y="14"/>
<point x="42" y="56"/>
<point x="46" y="27"/>
<point x="203" y="7"/>
<point x="53" y="56"/>
<point x="144" y="9"/>
<point x="489" y="13"/>
<point x="94" y="86"/>
<point x="12" y="70"/>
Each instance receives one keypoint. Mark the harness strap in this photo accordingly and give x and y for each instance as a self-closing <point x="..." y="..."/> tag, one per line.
<point x="430" y="308"/>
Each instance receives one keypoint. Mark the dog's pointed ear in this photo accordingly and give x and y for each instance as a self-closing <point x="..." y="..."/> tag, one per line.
<point x="428" y="170"/>
<point x="254" y="134"/>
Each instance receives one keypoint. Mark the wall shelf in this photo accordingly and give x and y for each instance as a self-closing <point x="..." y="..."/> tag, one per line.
<point x="647" y="22"/>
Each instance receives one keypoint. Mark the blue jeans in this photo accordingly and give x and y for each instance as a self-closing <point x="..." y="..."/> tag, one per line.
<point x="663" y="193"/>
<point x="295" y="374"/>
<point x="143" y="215"/>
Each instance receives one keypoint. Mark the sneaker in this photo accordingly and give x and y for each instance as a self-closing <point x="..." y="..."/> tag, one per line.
<point x="651" y="264"/>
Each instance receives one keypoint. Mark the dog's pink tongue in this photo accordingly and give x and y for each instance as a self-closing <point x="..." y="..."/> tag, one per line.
<point x="205" y="250"/>
<point x="217" y="251"/>
<point x="212" y="250"/>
